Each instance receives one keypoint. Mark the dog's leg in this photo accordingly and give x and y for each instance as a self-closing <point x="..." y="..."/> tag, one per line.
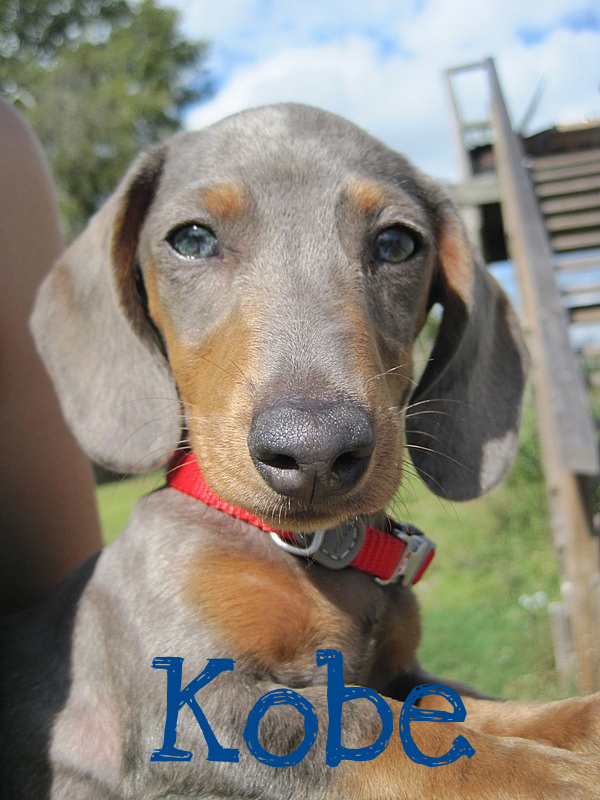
<point x="572" y="724"/>
<point x="501" y="768"/>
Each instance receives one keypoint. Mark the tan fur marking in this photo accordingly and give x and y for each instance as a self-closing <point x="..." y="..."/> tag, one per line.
<point x="456" y="259"/>
<point x="214" y="382"/>
<point x="500" y="768"/>
<point x="217" y="397"/>
<point x="367" y="196"/>
<point x="224" y="200"/>
<point x="211" y="379"/>
<point x="264" y="610"/>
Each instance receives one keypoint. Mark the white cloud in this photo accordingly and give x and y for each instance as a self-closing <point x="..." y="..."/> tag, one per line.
<point x="569" y="63"/>
<point x="263" y="25"/>
<point x="383" y="67"/>
<point x="396" y="101"/>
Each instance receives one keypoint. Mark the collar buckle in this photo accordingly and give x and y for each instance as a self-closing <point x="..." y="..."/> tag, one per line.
<point x="302" y="546"/>
<point x="334" y="548"/>
<point x="415" y="557"/>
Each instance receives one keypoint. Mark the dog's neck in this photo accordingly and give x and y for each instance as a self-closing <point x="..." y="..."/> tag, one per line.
<point x="394" y="553"/>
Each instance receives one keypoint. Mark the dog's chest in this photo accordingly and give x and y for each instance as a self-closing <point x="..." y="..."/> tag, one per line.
<point x="274" y="614"/>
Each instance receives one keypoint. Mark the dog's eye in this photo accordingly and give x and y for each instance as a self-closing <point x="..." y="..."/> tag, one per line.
<point x="396" y="244"/>
<point x="194" y="241"/>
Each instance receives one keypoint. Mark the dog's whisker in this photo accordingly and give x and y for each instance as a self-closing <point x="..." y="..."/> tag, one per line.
<point x="247" y="381"/>
<point x="394" y="371"/>
<point x="431" y="480"/>
<point x="439" y="454"/>
<point x="429" y="435"/>
<point x="222" y="368"/>
<point x="437" y="401"/>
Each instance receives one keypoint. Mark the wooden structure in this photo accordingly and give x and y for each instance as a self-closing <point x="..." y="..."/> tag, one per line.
<point x="563" y="217"/>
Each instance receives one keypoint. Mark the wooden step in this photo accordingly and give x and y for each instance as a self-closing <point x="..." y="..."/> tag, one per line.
<point x="564" y="159"/>
<point x="582" y="296"/>
<point x="574" y="202"/>
<point x="569" y="222"/>
<point x="572" y="186"/>
<point x="562" y="173"/>
<point x="578" y="261"/>
<point x="585" y="315"/>
<point x="582" y="240"/>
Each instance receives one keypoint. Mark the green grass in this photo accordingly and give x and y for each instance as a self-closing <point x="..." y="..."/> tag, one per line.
<point x="116" y="500"/>
<point x="484" y="599"/>
<point x="484" y="602"/>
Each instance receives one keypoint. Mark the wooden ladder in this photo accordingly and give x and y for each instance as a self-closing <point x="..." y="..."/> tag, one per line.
<point x="551" y="214"/>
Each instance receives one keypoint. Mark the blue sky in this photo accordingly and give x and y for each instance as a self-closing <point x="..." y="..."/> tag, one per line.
<point x="380" y="62"/>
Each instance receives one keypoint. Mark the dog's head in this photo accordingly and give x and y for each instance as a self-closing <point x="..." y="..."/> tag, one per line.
<point x="255" y="290"/>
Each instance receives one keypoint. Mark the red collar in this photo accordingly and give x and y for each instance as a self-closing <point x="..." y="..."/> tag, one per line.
<point x="400" y="554"/>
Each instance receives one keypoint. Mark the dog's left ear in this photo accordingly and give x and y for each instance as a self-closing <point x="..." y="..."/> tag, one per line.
<point x="463" y="419"/>
<point x="89" y="322"/>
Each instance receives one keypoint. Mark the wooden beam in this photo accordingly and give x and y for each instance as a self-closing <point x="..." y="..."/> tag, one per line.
<point x="567" y="435"/>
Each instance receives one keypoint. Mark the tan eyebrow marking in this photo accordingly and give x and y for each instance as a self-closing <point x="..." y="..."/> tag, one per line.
<point x="367" y="195"/>
<point x="224" y="200"/>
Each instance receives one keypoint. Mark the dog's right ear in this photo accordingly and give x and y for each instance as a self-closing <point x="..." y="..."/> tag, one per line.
<point x="113" y="382"/>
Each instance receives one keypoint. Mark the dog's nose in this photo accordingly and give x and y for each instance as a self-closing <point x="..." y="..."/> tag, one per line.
<point x="311" y="451"/>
